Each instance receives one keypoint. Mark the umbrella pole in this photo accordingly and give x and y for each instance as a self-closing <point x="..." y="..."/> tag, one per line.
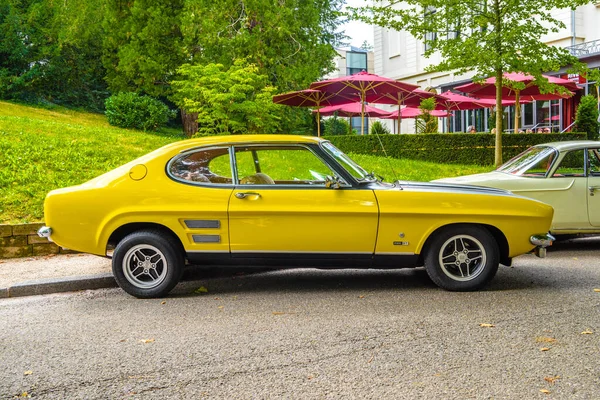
<point x="517" y="111"/>
<point x="318" y="123"/>
<point x="362" y="114"/>
<point x="448" y="119"/>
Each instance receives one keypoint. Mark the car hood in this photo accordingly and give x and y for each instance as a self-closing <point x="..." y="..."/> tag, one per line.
<point x="443" y="187"/>
<point x="489" y="179"/>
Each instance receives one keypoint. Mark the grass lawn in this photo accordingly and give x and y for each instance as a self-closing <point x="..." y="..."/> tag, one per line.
<point x="43" y="149"/>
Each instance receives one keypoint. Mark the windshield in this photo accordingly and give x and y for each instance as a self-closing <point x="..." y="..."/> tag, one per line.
<point x="353" y="168"/>
<point x="535" y="162"/>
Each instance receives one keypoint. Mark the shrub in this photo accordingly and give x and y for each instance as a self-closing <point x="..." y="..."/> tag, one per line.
<point x="586" y="119"/>
<point x="426" y="123"/>
<point x="460" y="148"/>
<point x="130" y="110"/>
<point x="335" y="126"/>
<point x="377" y="128"/>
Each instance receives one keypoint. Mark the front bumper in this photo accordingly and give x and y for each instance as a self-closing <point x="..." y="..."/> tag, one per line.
<point x="541" y="241"/>
<point x="45" y="231"/>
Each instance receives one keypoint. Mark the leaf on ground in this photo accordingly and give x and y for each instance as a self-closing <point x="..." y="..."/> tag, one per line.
<point x="544" y="339"/>
<point x="201" y="290"/>
<point x="221" y="307"/>
<point x="28" y="372"/>
<point x="552" y="379"/>
<point x="575" y="258"/>
<point x="362" y="296"/>
<point x="597" y="290"/>
<point x="587" y="332"/>
<point x="282" y="313"/>
<point x="545" y="349"/>
<point x="487" y="325"/>
<point x="146" y="340"/>
<point x="24" y="394"/>
<point x="545" y="391"/>
<point x="163" y="302"/>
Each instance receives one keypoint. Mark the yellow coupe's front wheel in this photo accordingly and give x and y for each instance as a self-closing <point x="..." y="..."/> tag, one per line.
<point x="462" y="258"/>
<point x="146" y="264"/>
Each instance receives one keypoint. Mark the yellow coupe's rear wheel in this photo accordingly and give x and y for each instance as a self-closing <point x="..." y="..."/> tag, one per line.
<point x="147" y="264"/>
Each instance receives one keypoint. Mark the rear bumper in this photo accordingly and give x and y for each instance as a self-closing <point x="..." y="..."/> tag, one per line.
<point x="541" y="241"/>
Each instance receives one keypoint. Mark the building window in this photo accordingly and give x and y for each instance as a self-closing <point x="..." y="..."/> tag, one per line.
<point x="393" y="43"/>
<point x="429" y="36"/>
<point x="355" y="62"/>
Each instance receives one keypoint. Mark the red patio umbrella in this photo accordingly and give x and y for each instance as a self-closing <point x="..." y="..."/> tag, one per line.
<point x="312" y="98"/>
<point x="410" y="99"/>
<point x="412" y="112"/>
<point x="363" y="84"/>
<point x="353" y="109"/>
<point x="487" y="89"/>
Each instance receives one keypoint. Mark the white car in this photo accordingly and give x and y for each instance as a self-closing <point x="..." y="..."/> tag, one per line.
<point x="565" y="175"/>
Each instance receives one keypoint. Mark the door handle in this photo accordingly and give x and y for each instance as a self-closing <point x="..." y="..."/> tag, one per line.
<point x="243" y="195"/>
<point x="592" y="188"/>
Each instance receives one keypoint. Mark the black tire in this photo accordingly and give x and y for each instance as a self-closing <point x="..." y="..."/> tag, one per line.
<point x="159" y="260"/>
<point x="462" y="258"/>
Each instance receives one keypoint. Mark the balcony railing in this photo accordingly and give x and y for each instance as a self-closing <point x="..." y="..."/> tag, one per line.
<point x="585" y="49"/>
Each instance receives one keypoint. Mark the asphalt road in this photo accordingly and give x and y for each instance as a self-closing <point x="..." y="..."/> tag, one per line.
<point x="314" y="334"/>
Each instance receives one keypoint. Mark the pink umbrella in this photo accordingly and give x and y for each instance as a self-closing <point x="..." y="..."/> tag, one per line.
<point x="411" y="99"/>
<point x="487" y="89"/>
<point x="363" y="84"/>
<point x="353" y="109"/>
<point x="412" y="112"/>
<point x="312" y="98"/>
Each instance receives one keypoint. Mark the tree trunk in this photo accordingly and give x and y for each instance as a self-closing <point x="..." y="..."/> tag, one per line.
<point x="499" y="112"/>
<point x="189" y="122"/>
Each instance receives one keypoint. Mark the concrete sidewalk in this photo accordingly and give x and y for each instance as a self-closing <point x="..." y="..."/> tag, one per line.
<point x="53" y="274"/>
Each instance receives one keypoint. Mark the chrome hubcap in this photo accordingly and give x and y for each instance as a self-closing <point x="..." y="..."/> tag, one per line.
<point x="145" y="266"/>
<point x="462" y="257"/>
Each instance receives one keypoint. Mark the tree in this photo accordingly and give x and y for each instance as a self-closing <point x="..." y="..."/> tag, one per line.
<point x="426" y="123"/>
<point x="234" y="100"/>
<point x="488" y="37"/>
<point x="586" y="119"/>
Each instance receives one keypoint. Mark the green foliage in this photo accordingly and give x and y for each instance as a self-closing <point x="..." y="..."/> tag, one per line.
<point x="377" y="128"/>
<point x="228" y="100"/>
<point x="49" y="51"/>
<point x="586" y="119"/>
<point x="426" y="123"/>
<point x="42" y="150"/>
<point x="335" y="126"/>
<point x="459" y="148"/>
<point x="130" y="110"/>
<point x="485" y="37"/>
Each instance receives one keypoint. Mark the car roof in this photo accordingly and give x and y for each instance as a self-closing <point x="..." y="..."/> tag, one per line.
<point x="242" y="139"/>
<point x="571" y="144"/>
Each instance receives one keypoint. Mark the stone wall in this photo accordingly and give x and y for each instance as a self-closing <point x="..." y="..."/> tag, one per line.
<point x="22" y="241"/>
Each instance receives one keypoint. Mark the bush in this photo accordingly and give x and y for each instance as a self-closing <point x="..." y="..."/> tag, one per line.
<point x="586" y="119"/>
<point x="460" y="148"/>
<point x="377" y="128"/>
<point x="130" y="110"/>
<point x="335" y="126"/>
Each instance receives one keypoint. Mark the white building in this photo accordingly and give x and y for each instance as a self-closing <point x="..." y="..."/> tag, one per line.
<point x="399" y="55"/>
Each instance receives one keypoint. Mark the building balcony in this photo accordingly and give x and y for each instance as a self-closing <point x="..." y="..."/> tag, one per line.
<point x="585" y="49"/>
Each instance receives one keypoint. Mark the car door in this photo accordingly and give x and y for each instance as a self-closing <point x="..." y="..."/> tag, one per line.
<point x="593" y="186"/>
<point x="284" y="203"/>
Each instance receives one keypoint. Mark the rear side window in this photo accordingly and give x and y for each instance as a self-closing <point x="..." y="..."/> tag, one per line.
<point x="203" y="166"/>
<point x="572" y="164"/>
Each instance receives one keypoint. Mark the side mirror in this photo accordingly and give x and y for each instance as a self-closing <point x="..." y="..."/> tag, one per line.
<point x="332" y="182"/>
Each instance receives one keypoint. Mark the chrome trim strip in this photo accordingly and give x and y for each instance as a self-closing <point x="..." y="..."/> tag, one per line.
<point x="202" y="223"/>
<point x="206" y="238"/>
<point x="394" y="253"/>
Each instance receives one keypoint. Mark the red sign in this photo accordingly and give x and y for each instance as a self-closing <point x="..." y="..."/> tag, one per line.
<point x="574" y="78"/>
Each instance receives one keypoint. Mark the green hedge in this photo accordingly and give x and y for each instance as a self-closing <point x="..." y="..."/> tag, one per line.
<point x="461" y="148"/>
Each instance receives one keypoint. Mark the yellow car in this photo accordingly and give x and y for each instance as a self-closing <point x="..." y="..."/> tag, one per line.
<point x="287" y="201"/>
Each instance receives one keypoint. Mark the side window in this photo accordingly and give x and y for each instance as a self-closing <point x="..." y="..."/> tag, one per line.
<point x="280" y="165"/>
<point x="594" y="161"/>
<point x="572" y="164"/>
<point x="210" y="166"/>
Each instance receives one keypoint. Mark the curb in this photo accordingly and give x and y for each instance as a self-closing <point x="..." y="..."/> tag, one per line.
<point x="48" y="286"/>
